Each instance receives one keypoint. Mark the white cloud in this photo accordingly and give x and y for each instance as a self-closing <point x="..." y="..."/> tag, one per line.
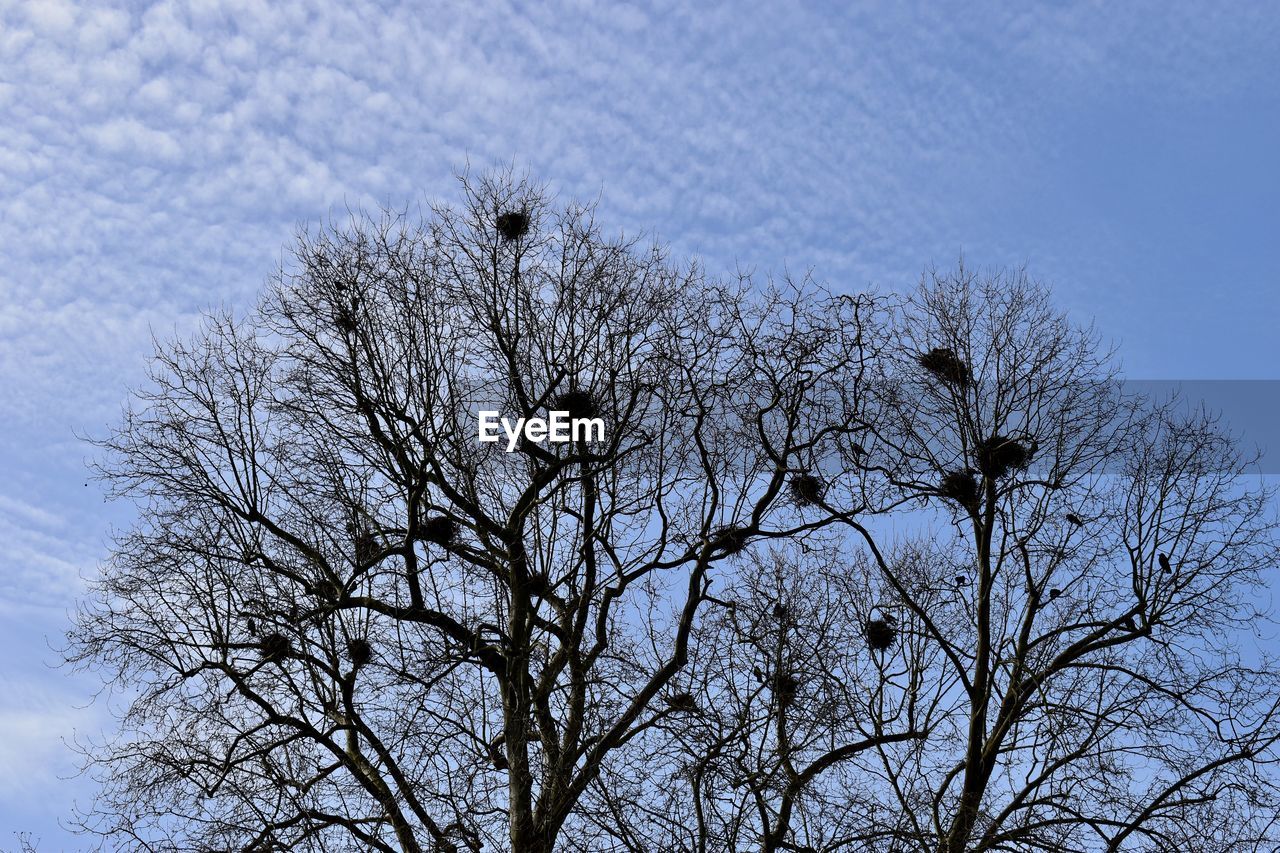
<point x="155" y="156"/>
<point x="50" y="17"/>
<point x="814" y="136"/>
<point x="39" y="717"/>
<point x="132" y="139"/>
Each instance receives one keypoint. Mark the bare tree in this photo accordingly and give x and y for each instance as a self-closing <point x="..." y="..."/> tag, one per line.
<point x="340" y="621"/>
<point x="1034" y="637"/>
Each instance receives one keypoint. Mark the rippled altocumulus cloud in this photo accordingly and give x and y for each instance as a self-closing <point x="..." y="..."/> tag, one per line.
<point x="155" y="157"/>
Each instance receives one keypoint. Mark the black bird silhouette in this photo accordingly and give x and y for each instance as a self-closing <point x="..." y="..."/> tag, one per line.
<point x="1054" y="593"/>
<point x="1164" y="564"/>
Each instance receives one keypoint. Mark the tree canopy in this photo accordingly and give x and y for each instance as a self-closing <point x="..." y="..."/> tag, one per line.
<point x="848" y="572"/>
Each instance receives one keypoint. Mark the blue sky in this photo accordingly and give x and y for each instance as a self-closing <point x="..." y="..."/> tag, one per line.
<point x="154" y="159"/>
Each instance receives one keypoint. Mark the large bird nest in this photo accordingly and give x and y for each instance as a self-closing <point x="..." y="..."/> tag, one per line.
<point x="438" y="530"/>
<point x="682" y="702"/>
<point x="961" y="487"/>
<point x="275" y="647"/>
<point x="360" y="651"/>
<point x="785" y="687"/>
<point x="999" y="455"/>
<point x="807" y="489"/>
<point x="329" y="590"/>
<point x="345" y="320"/>
<point x="731" y="540"/>
<point x="579" y="404"/>
<point x="367" y="546"/>
<point x="946" y="366"/>
<point x="880" y="633"/>
<point x="513" y="224"/>
<point x="538" y="584"/>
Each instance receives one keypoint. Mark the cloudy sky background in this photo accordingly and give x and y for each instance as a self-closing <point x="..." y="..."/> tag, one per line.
<point x="155" y="158"/>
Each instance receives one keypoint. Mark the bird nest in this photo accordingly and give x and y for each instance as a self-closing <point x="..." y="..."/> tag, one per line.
<point x="438" y="530"/>
<point x="579" y="404"/>
<point x="682" y="702"/>
<point x="538" y="583"/>
<point x="961" y="487"/>
<point x="329" y="590"/>
<point x="344" y="320"/>
<point x="998" y="455"/>
<point x="367" y="547"/>
<point x="513" y="224"/>
<point x="807" y="490"/>
<point x="731" y="540"/>
<point x="879" y="633"/>
<point x="275" y="647"/>
<point x="946" y="366"/>
<point x="785" y="687"/>
<point x="360" y="651"/>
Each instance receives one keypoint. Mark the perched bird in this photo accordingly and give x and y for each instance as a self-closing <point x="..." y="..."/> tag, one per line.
<point x="961" y="580"/>
<point x="1164" y="564"/>
<point x="1054" y="593"/>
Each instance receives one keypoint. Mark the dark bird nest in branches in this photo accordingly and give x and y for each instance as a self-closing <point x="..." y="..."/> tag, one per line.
<point x="946" y="366"/>
<point x="329" y="590"/>
<point x="438" y="530"/>
<point x="367" y="546"/>
<point x="731" y="540"/>
<point x="275" y="647"/>
<point x="345" y="320"/>
<point x="682" y="702"/>
<point x="785" y="687"/>
<point x="880" y="633"/>
<point x="579" y="404"/>
<point x="513" y="224"/>
<point x="538" y="584"/>
<point x="806" y="489"/>
<point x="359" y="651"/>
<point x="999" y="455"/>
<point x="961" y="487"/>
<point x="1074" y="519"/>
